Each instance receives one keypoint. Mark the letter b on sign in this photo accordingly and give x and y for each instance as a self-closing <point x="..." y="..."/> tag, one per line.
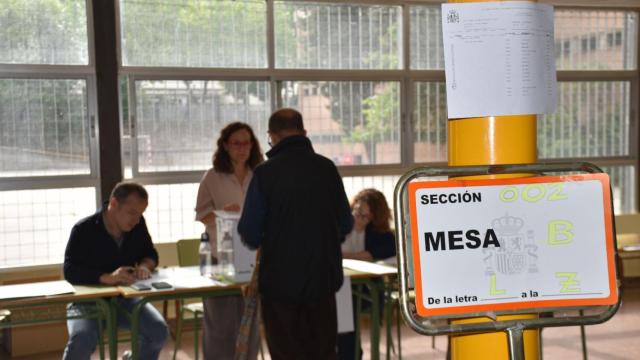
<point x="560" y="232"/>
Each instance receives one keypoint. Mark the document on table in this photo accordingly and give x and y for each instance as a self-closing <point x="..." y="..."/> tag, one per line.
<point x="368" y="267"/>
<point x="499" y="58"/>
<point x="47" y="288"/>
<point x="181" y="278"/>
<point x="344" y="307"/>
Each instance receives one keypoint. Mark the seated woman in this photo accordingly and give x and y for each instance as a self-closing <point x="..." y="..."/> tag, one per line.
<point x="371" y="240"/>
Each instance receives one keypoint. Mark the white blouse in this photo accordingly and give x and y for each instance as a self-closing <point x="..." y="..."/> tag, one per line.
<point x="354" y="242"/>
<point x="217" y="190"/>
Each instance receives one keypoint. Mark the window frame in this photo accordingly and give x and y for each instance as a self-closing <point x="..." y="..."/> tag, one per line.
<point x="63" y="72"/>
<point x="85" y="72"/>
<point x="406" y="76"/>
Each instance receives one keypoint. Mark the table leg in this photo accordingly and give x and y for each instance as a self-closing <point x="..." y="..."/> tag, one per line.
<point x="375" y="319"/>
<point x="135" y="327"/>
<point x="105" y="311"/>
<point x="356" y="323"/>
<point x="112" y="328"/>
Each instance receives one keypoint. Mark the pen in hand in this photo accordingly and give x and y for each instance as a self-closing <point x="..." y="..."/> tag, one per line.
<point x="141" y="272"/>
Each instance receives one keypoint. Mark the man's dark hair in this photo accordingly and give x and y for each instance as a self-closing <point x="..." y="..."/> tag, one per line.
<point x="285" y="119"/>
<point x="122" y="190"/>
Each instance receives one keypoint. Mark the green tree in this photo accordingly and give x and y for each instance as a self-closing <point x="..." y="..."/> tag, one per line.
<point x="44" y="118"/>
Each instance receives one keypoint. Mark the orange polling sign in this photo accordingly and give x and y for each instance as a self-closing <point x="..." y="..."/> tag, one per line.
<point x="502" y="244"/>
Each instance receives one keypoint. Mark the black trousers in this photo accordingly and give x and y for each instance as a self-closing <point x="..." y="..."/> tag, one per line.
<point x="301" y="330"/>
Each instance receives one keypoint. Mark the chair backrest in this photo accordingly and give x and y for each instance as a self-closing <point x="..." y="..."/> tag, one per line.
<point x="628" y="224"/>
<point x="188" y="252"/>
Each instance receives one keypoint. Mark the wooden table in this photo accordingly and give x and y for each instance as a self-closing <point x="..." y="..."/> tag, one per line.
<point x="367" y="279"/>
<point x="31" y="312"/>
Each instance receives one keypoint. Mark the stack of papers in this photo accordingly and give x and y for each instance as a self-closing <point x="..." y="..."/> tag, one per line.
<point x="47" y="288"/>
<point x="181" y="278"/>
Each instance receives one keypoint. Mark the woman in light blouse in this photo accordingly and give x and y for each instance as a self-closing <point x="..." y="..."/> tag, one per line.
<point x="224" y="188"/>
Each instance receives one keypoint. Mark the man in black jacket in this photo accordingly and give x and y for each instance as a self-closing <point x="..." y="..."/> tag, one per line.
<point x="297" y="212"/>
<point x="113" y="247"/>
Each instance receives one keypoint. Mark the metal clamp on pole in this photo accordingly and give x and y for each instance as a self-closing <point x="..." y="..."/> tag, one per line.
<point x="541" y="245"/>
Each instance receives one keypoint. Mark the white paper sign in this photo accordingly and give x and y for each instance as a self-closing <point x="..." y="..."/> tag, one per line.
<point x="344" y="307"/>
<point x="499" y="58"/>
<point x="486" y="245"/>
<point x="368" y="267"/>
<point x="46" y="288"/>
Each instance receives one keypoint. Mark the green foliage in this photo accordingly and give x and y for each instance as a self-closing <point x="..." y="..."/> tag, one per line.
<point x="378" y="110"/>
<point x="284" y="29"/>
<point x="43" y="32"/>
<point x="352" y="37"/>
<point x="202" y="33"/>
<point x="588" y="122"/>
<point x="430" y="114"/>
<point x="43" y="116"/>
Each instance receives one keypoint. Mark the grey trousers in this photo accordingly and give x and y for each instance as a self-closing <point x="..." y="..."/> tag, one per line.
<point x="222" y="316"/>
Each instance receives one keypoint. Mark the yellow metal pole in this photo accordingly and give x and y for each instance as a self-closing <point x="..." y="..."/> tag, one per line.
<point x="492" y="140"/>
<point x="489" y="141"/>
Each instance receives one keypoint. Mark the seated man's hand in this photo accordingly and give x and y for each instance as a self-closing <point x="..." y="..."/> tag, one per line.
<point x="142" y="272"/>
<point x="123" y="275"/>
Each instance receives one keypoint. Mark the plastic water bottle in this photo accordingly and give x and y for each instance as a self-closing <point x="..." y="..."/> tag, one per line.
<point x="205" y="255"/>
<point x="225" y="255"/>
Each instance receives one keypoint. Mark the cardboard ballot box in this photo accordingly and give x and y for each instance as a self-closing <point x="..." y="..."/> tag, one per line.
<point x="242" y="258"/>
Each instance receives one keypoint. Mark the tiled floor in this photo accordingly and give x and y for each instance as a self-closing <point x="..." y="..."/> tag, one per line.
<point x="617" y="339"/>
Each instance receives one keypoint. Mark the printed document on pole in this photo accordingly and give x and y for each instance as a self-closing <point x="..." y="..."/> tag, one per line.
<point x="499" y="58"/>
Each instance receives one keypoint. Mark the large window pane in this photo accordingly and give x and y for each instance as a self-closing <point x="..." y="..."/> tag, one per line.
<point x="170" y="215"/>
<point x="623" y="185"/>
<point x="430" y="122"/>
<point x="596" y="39"/>
<point x="350" y="122"/>
<point x="584" y="39"/>
<point x="43" y="127"/>
<point x="178" y="122"/>
<point x="43" y="32"/>
<point x="207" y="33"/>
<point x="385" y="184"/>
<point x="35" y="224"/>
<point x="337" y="36"/>
<point x="592" y="120"/>
<point x="426" y="38"/>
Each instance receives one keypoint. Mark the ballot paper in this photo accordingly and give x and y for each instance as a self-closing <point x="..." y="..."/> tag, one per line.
<point x="499" y="58"/>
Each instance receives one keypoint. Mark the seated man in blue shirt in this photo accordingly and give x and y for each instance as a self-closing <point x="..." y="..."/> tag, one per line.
<point x="113" y="247"/>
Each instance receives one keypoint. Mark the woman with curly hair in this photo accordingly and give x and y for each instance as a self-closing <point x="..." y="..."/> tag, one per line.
<point x="371" y="240"/>
<point x="224" y="188"/>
